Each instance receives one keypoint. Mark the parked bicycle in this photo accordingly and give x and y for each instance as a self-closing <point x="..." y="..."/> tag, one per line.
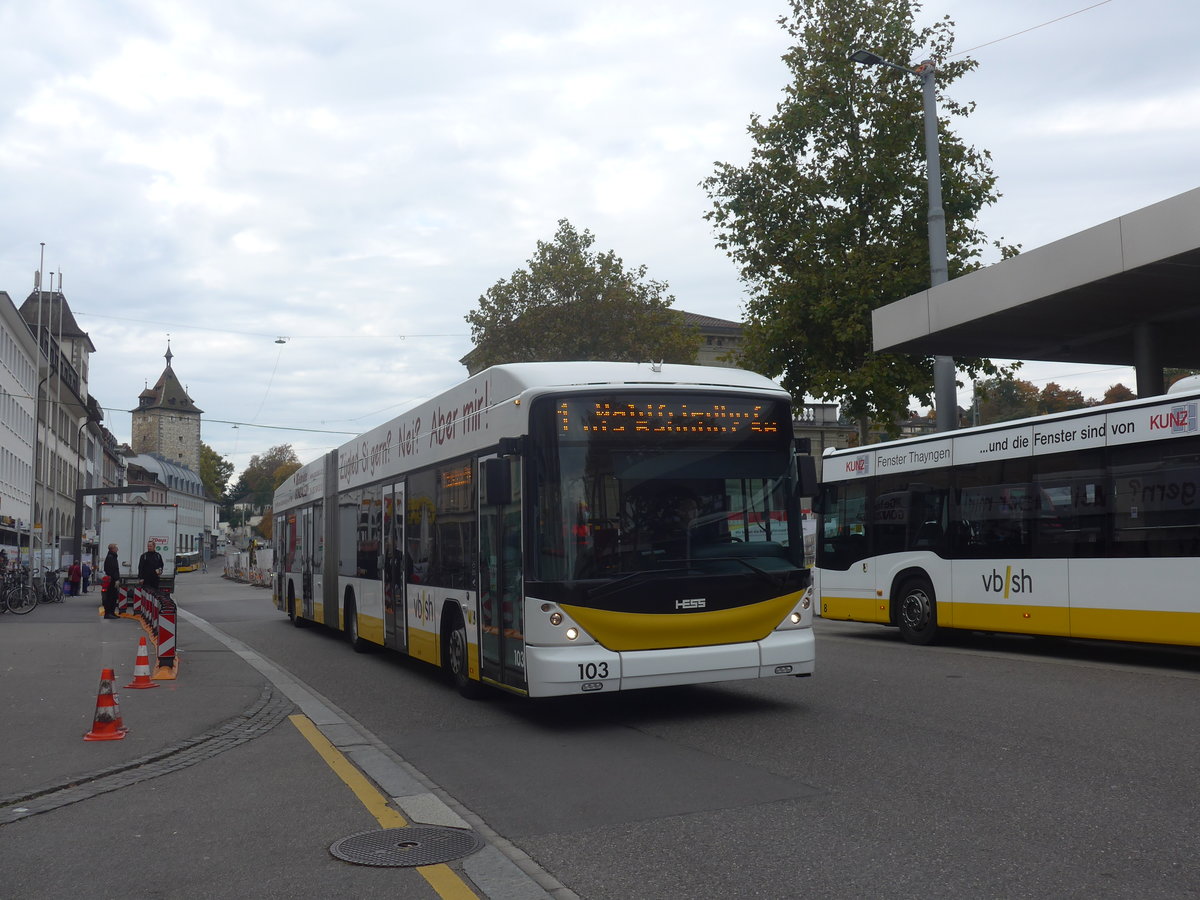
<point x="49" y="586"/>
<point x="19" y="596"/>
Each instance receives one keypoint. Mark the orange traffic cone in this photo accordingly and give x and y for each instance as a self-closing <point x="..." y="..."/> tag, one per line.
<point x="107" y="725"/>
<point x="141" y="669"/>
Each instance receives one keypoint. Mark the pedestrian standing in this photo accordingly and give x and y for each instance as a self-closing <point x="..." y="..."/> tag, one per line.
<point x="86" y="573"/>
<point x="112" y="574"/>
<point x="75" y="577"/>
<point x="150" y="566"/>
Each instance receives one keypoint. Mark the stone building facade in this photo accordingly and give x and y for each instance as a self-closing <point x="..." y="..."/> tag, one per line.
<point x="64" y="411"/>
<point x="18" y="418"/>
<point x="166" y="423"/>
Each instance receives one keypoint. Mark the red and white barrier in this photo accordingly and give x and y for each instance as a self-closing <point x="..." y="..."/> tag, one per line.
<point x="157" y="612"/>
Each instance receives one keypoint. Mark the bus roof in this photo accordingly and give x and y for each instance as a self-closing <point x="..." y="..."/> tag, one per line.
<point x="454" y="421"/>
<point x="1132" y="421"/>
<point x="512" y="379"/>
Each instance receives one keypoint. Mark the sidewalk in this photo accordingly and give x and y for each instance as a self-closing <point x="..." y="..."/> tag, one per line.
<point x="50" y="664"/>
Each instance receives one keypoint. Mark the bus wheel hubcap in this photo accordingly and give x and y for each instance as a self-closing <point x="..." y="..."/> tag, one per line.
<point x="916" y="609"/>
<point x="457" y="651"/>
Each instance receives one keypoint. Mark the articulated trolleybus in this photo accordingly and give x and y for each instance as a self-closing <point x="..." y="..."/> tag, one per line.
<point x="558" y="528"/>
<point x="1083" y="524"/>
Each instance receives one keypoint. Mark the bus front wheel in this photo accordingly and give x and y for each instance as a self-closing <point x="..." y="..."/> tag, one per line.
<point x="456" y="658"/>
<point x="917" y="611"/>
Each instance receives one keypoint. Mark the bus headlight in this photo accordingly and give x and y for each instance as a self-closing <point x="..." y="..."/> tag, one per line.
<point x="795" y="617"/>
<point x="572" y="633"/>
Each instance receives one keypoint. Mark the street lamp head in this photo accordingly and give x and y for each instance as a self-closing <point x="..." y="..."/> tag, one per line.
<point x="866" y="58"/>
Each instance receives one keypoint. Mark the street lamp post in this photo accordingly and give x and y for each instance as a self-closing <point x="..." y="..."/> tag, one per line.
<point x="944" y="388"/>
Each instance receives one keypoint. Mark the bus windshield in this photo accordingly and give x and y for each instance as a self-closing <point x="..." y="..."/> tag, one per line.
<point x="644" y="482"/>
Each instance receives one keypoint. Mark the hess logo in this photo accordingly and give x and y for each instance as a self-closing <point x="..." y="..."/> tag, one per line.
<point x="694" y="603"/>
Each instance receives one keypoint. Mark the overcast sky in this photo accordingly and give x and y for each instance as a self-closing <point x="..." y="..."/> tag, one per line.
<point x="352" y="175"/>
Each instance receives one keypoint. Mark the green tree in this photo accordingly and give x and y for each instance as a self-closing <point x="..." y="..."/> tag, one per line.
<point x="266" y="526"/>
<point x="214" y="471"/>
<point x="827" y="221"/>
<point x="263" y="474"/>
<point x="1003" y="399"/>
<point x="574" y="303"/>
<point x="1054" y="398"/>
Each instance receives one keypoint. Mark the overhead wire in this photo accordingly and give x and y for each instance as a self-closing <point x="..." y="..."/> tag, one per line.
<point x="306" y="337"/>
<point x="1029" y="29"/>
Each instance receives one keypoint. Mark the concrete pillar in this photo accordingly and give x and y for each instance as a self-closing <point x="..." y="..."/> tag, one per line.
<point x="1146" y="360"/>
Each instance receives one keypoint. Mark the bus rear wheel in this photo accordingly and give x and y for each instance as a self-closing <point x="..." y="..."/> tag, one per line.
<point x="351" y="626"/>
<point x="296" y="619"/>
<point x="916" y="612"/>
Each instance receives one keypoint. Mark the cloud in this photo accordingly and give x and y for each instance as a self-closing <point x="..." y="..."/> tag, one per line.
<point x="355" y="175"/>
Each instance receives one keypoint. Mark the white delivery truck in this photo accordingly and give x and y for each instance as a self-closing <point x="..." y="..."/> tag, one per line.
<point x="131" y="526"/>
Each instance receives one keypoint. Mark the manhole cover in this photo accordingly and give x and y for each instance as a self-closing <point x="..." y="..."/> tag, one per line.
<point x="422" y="846"/>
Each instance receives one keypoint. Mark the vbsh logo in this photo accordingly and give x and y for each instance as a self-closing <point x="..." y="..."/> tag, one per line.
<point x="1009" y="583"/>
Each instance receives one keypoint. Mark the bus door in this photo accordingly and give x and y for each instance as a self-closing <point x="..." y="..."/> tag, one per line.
<point x="306" y="545"/>
<point x="846" y="572"/>
<point x="501" y="574"/>
<point x="396" y="565"/>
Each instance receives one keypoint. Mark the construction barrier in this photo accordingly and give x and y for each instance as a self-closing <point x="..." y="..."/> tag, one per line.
<point x="260" y="574"/>
<point x="157" y="613"/>
<point x="106" y="724"/>
<point x="168" y="663"/>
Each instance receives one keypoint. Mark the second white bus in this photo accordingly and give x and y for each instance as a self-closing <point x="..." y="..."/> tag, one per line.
<point x="1083" y="524"/>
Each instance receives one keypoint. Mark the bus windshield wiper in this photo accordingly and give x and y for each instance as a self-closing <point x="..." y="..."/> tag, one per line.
<point x="632" y="579"/>
<point x="779" y="579"/>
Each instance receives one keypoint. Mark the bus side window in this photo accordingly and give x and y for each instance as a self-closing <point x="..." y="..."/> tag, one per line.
<point x="844" y="540"/>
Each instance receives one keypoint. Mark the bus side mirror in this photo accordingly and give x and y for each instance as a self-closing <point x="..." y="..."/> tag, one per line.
<point x="806" y="476"/>
<point x="497" y="481"/>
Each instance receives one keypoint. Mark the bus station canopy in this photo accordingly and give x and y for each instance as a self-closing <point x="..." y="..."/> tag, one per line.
<point x="1126" y="292"/>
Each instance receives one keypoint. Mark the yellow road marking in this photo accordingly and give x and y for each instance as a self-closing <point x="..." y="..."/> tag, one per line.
<point x="441" y="877"/>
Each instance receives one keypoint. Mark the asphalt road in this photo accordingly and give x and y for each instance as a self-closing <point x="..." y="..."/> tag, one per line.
<point x="986" y="767"/>
<point x="991" y="766"/>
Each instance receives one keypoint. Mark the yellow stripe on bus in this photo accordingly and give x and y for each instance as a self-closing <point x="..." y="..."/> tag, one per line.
<point x="1019" y="618"/>
<point x="1139" y="625"/>
<point x="1152" y="626"/>
<point x="370" y="628"/>
<point x="619" y="631"/>
<point x="424" y="645"/>
<point x="855" y="609"/>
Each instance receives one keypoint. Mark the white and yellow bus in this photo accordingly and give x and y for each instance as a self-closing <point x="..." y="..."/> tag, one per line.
<point x="1083" y="524"/>
<point x="564" y="528"/>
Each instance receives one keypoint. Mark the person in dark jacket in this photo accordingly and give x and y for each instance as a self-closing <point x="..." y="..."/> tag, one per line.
<point x="150" y="566"/>
<point x="112" y="569"/>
